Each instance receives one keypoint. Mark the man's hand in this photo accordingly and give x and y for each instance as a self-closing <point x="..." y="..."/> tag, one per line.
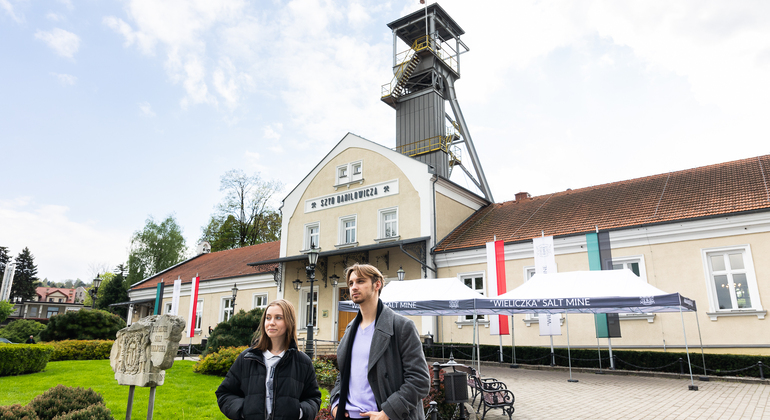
<point x="376" y="415"/>
<point x="334" y="412"/>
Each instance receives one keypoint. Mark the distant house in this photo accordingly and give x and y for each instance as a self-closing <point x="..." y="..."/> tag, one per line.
<point x="49" y="301"/>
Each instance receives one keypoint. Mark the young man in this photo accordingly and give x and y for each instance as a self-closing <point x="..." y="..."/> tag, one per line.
<point x="383" y="372"/>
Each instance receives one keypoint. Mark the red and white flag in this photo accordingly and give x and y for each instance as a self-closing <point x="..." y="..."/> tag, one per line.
<point x="193" y="307"/>
<point x="496" y="286"/>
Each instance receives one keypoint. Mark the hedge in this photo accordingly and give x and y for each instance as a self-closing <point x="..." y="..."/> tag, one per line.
<point x="716" y="364"/>
<point x="81" y="350"/>
<point x="218" y="363"/>
<point x="16" y="359"/>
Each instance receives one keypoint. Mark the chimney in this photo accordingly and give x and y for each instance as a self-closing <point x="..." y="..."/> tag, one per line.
<point x="521" y="196"/>
<point x="203" y="248"/>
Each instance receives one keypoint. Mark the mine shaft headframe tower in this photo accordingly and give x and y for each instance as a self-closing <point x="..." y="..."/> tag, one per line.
<point x="424" y="78"/>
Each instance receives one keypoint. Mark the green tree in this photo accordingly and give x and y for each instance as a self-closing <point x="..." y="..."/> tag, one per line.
<point x="106" y="279"/>
<point x="5" y="309"/>
<point x="114" y="291"/>
<point x="155" y="248"/>
<point x="5" y="258"/>
<point x="237" y="331"/>
<point x="245" y="216"/>
<point x="19" y="331"/>
<point x="85" y="324"/>
<point x="25" y="279"/>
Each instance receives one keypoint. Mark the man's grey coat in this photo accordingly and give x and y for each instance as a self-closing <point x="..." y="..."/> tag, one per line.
<point x="398" y="372"/>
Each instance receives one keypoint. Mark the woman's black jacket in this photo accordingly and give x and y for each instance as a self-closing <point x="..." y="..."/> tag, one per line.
<point x="242" y="393"/>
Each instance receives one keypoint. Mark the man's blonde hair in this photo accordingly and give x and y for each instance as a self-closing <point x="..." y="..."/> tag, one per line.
<point x="366" y="271"/>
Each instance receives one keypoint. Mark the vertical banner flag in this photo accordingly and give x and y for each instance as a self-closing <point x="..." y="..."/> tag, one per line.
<point x="5" y="291"/>
<point x="175" y="297"/>
<point x="158" y="298"/>
<point x="600" y="258"/>
<point x="496" y="286"/>
<point x="192" y="317"/>
<point x="545" y="263"/>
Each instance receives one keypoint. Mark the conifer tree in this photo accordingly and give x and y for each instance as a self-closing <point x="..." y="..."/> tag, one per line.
<point x="25" y="280"/>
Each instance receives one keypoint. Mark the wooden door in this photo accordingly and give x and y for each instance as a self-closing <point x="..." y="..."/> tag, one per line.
<point x="343" y="318"/>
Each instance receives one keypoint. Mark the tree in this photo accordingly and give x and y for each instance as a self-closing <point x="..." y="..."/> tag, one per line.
<point x="19" y="331"/>
<point x="245" y="216"/>
<point x="106" y="279"/>
<point x="237" y="331"/>
<point x="85" y="324"/>
<point x="114" y="291"/>
<point x="5" y="258"/>
<point x="25" y="279"/>
<point x="6" y="308"/>
<point x="156" y="247"/>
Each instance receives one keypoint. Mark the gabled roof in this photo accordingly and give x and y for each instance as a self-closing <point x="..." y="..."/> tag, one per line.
<point x="45" y="292"/>
<point x="708" y="191"/>
<point x="218" y="265"/>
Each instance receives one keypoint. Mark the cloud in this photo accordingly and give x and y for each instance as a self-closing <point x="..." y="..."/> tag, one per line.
<point x="67" y="3"/>
<point x="8" y="7"/>
<point x="63" y="42"/>
<point x="65" y="79"/>
<point x="53" y="17"/>
<point x="146" y="109"/>
<point x="63" y="248"/>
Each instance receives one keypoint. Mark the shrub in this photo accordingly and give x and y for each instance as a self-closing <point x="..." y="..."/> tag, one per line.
<point x="93" y="412"/>
<point x="445" y="410"/>
<point x="6" y="308"/>
<point x="85" y="324"/>
<point x="218" y="363"/>
<point x="325" y="372"/>
<point x="20" y="330"/>
<point x="18" y="412"/>
<point x="81" y="350"/>
<point x="16" y="359"/>
<point x="332" y="358"/>
<point x="61" y="400"/>
<point x="237" y="331"/>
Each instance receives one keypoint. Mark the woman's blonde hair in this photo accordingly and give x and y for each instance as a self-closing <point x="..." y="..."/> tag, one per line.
<point x="262" y="341"/>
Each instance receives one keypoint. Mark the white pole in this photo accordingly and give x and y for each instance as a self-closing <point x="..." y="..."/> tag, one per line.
<point x="609" y="344"/>
<point x="569" y="353"/>
<point x="692" y="386"/>
<point x="553" y="361"/>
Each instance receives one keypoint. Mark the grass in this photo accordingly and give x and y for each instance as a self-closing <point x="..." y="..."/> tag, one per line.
<point x="183" y="395"/>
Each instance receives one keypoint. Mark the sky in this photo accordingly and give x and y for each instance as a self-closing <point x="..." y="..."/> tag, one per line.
<point x="112" y="112"/>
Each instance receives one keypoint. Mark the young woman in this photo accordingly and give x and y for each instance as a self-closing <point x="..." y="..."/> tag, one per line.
<point x="272" y="380"/>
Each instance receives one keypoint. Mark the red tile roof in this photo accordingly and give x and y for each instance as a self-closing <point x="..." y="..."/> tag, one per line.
<point x="44" y="292"/>
<point x="721" y="189"/>
<point x="218" y="265"/>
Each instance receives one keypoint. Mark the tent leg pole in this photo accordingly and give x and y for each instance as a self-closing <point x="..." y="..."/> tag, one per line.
<point x="612" y="360"/>
<point x="553" y="358"/>
<point x="692" y="386"/>
<point x="513" y="344"/>
<point x="569" y="353"/>
<point x="599" y="350"/>
<point x="703" y="356"/>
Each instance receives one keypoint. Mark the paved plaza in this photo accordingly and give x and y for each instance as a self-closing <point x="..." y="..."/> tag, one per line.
<point x="546" y="394"/>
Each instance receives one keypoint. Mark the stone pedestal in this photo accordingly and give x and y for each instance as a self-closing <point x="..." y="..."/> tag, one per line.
<point x="143" y="351"/>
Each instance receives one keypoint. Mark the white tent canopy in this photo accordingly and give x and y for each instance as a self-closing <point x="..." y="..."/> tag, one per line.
<point x="617" y="291"/>
<point x="447" y="296"/>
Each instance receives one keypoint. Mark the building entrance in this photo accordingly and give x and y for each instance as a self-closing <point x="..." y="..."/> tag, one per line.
<point x="343" y="318"/>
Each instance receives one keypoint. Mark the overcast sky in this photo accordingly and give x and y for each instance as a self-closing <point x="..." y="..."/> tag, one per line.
<point x="114" y="111"/>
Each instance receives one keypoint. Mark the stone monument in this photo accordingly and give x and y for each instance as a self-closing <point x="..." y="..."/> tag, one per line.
<point x="142" y="352"/>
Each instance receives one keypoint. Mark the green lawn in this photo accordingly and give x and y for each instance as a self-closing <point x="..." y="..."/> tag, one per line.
<point x="184" y="394"/>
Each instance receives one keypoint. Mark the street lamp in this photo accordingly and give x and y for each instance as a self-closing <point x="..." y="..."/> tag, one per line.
<point x="312" y="257"/>
<point x="235" y="293"/>
<point x="401" y="273"/>
<point x="94" y="290"/>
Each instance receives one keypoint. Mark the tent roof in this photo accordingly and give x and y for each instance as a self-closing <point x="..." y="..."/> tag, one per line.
<point x="585" y="291"/>
<point x="446" y="296"/>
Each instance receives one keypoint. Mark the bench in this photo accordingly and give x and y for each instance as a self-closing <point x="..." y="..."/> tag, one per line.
<point x="494" y="394"/>
<point x="489" y="384"/>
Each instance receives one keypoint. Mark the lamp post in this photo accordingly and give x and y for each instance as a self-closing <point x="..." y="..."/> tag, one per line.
<point x="94" y="290"/>
<point x="235" y="293"/>
<point x="312" y="257"/>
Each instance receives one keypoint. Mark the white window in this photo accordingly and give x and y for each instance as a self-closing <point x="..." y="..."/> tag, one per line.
<point x="260" y="300"/>
<point x="348" y="230"/>
<point x="312" y="235"/>
<point x="198" y="315"/>
<point x="388" y="223"/>
<point x="307" y="316"/>
<point x="52" y="312"/>
<point x="227" y="309"/>
<point x="167" y="309"/>
<point x="32" y="311"/>
<point x="349" y="173"/>
<point x="342" y="174"/>
<point x="634" y="263"/>
<point x="528" y="273"/>
<point x="476" y="282"/>
<point x="357" y="171"/>
<point x="732" y="282"/>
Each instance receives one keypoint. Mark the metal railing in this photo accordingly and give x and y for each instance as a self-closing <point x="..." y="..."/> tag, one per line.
<point x="434" y="44"/>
